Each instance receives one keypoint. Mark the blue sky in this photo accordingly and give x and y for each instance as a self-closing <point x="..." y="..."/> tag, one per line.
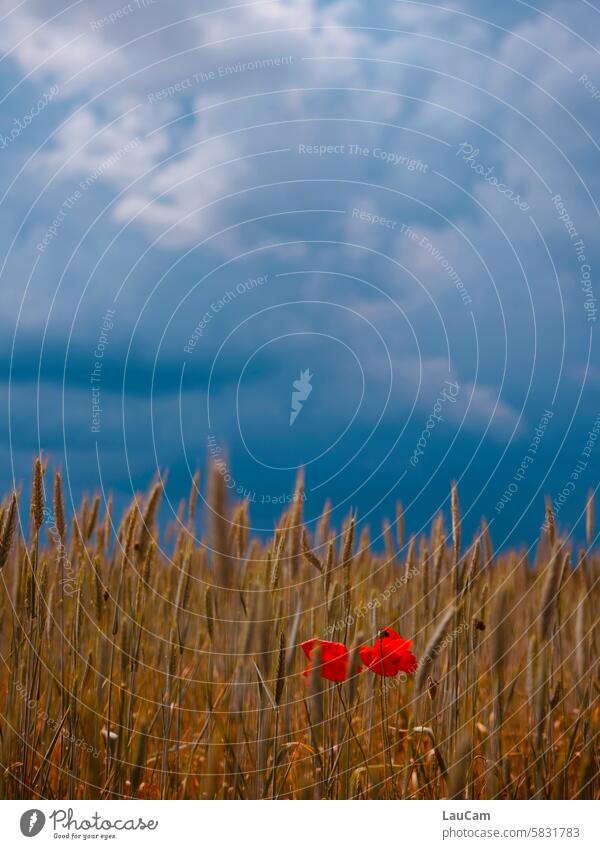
<point x="398" y="197"/>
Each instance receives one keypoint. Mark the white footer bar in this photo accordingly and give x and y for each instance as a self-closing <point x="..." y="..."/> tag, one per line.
<point x="302" y="825"/>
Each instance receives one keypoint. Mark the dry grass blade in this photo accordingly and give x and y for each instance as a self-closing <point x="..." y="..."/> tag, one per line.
<point x="280" y="672"/>
<point x="194" y="498"/>
<point x="550" y="523"/>
<point x="59" y="508"/>
<point x="433" y="648"/>
<point x="455" y="522"/>
<point x="220" y="542"/>
<point x="8" y="531"/>
<point x="550" y="595"/>
<point x="589" y="519"/>
<point x="310" y="555"/>
<point x="148" y="519"/>
<point x="37" y="495"/>
<point x="459" y="769"/>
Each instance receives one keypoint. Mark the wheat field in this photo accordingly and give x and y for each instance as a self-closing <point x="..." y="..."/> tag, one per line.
<point x="145" y="662"/>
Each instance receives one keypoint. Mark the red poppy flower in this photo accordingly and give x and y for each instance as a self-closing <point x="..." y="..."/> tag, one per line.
<point x="335" y="659"/>
<point x="390" y="655"/>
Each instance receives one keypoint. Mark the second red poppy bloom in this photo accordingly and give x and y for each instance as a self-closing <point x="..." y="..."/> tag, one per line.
<point x="390" y="654"/>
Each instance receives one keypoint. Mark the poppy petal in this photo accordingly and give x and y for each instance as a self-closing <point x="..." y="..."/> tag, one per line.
<point x="409" y="662"/>
<point x="307" y="646"/>
<point x="366" y="655"/>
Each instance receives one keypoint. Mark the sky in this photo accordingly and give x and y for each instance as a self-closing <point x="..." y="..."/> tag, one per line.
<point x="357" y="239"/>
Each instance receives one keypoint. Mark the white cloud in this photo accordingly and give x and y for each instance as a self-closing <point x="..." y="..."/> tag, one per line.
<point x="109" y="70"/>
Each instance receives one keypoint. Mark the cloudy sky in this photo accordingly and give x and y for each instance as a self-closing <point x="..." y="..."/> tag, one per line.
<point x="201" y="202"/>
